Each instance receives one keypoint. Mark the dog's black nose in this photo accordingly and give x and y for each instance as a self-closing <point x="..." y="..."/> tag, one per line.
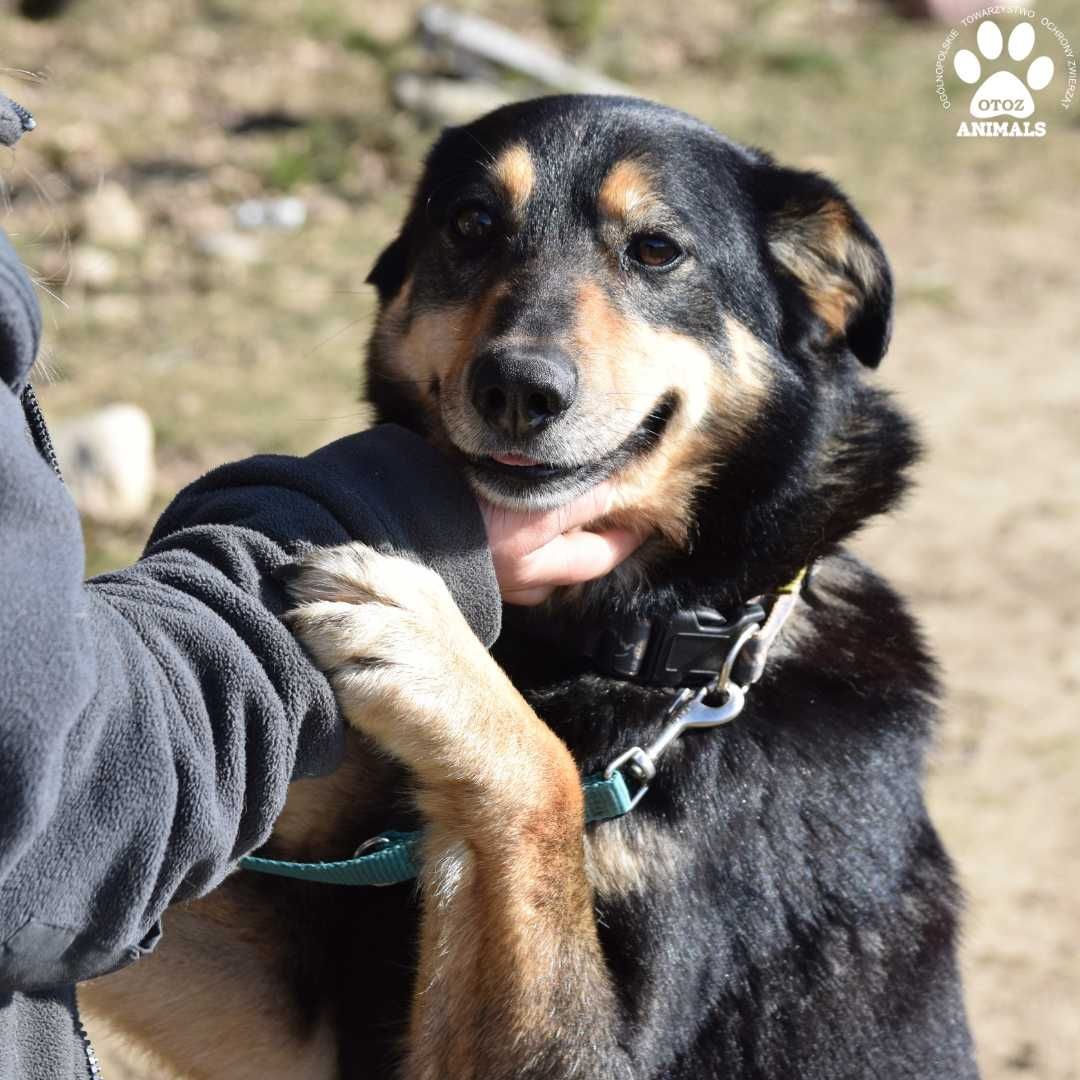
<point x="522" y="390"/>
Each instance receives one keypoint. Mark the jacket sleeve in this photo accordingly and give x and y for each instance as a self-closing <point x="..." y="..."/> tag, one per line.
<point x="151" y="719"/>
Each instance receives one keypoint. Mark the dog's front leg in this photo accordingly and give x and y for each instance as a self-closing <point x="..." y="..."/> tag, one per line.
<point x="511" y="979"/>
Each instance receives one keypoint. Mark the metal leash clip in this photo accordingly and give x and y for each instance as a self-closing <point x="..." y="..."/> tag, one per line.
<point x="687" y="712"/>
<point x="370" y="847"/>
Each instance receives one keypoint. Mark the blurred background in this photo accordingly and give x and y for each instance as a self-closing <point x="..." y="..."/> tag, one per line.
<point x="211" y="180"/>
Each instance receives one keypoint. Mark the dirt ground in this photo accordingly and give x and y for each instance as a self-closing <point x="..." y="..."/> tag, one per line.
<point x="232" y="357"/>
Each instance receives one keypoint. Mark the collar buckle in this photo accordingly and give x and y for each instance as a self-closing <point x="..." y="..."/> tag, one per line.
<point x="690" y="648"/>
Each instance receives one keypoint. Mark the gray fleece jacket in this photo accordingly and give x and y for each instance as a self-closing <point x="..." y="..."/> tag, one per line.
<point x="151" y="719"/>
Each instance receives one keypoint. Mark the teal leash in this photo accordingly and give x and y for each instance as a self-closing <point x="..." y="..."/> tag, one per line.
<point x="392" y="857"/>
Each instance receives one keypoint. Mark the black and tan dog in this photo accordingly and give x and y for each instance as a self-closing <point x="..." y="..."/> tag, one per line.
<point x="593" y="289"/>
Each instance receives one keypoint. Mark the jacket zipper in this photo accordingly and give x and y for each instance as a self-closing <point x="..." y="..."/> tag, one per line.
<point x="92" y="1062"/>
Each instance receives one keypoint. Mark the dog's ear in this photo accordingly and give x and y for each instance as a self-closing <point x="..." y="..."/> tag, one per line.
<point x="821" y="245"/>
<point x="388" y="273"/>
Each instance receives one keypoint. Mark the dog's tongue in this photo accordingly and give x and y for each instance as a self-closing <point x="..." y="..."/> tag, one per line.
<point x="514" y="459"/>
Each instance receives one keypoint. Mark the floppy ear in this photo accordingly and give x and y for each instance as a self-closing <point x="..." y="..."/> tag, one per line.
<point x="388" y="273"/>
<point x="843" y="286"/>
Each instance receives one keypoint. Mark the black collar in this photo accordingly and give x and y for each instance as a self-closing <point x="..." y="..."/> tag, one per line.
<point x="687" y="648"/>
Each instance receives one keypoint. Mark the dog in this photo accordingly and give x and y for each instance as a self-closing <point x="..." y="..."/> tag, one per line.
<point x="592" y="289"/>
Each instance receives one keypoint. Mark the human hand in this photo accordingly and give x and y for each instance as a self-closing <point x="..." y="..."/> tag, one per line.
<point x="537" y="551"/>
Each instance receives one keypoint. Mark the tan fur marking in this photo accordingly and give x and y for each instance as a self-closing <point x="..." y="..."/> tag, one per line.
<point x="750" y="366"/>
<point x="435" y="344"/>
<point x="832" y="263"/>
<point x="515" y="174"/>
<point x="627" y="857"/>
<point x="441" y="342"/>
<point x="627" y="195"/>
<point x="212" y="1001"/>
<point x="626" y="366"/>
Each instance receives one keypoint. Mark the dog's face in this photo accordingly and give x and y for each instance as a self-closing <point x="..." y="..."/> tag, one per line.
<point x="594" y="288"/>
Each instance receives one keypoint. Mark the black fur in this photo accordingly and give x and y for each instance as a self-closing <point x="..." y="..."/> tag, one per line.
<point x="808" y="927"/>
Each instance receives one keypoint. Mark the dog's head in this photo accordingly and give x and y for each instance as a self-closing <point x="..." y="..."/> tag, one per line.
<point x="589" y="288"/>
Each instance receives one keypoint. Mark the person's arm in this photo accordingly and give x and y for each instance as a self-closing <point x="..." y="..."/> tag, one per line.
<point x="151" y="721"/>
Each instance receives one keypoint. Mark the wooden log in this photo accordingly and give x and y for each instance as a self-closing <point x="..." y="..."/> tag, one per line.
<point x="487" y="41"/>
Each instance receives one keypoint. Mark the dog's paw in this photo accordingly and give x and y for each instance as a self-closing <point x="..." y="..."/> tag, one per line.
<point x="408" y="671"/>
<point x="382" y="627"/>
<point x="404" y="664"/>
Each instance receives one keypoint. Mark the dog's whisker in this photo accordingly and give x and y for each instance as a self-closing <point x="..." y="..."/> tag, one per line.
<point x="332" y="337"/>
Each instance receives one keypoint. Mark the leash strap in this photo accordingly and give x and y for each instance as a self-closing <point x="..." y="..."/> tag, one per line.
<point x="750" y="663"/>
<point x="391" y="857"/>
<point x="607" y="797"/>
<point x="384" y="860"/>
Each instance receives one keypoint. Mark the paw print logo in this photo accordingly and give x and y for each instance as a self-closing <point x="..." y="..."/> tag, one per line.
<point x="1002" y="93"/>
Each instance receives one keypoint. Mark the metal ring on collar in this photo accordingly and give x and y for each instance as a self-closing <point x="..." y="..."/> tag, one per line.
<point x="372" y="845"/>
<point x="724" y="679"/>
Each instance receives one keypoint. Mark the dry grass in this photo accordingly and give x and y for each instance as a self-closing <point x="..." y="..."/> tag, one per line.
<point x="266" y="357"/>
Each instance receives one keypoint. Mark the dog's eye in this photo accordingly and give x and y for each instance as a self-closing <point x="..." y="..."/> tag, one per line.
<point x="473" y="223"/>
<point x="654" y="249"/>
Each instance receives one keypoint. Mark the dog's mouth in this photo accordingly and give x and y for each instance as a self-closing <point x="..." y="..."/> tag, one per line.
<point x="519" y="480"/>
